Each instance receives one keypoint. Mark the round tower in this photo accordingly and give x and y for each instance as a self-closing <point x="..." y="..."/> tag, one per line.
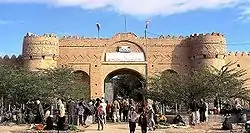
<point x="40" y="52"/>
<point x="208" y="50"/>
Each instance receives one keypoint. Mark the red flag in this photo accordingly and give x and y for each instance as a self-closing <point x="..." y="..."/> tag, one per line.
<point x="147" y="24"/>
<point x="98" y="26"/>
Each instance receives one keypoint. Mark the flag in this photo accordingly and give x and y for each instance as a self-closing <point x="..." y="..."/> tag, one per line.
<point x="147" y="24"/>
<point x="98" y="26"/>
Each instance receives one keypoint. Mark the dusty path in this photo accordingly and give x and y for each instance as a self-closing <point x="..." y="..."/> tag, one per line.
<point x="123" y="128"/>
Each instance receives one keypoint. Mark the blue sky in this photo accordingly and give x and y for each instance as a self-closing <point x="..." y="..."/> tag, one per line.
<point x="78" y="17"/>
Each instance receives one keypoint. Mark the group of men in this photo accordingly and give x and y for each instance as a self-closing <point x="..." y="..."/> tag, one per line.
<point x="199" y="111"/>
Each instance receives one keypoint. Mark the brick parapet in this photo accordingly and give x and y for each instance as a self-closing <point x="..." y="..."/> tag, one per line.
<point x="48" y="44"/>
<point x="13" y="60"/>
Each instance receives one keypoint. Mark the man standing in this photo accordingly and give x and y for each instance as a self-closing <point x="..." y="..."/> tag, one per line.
<point x="194" y="107"/>
<point x="61" y="117"/>
<point x="71" y="112"/>
<point x="151" y="121"/>
<point x="104" y="106"/>
<point x="143" y="121"/>
<point x="202" y="111"/>
<point x="40" y="113"/>
<point x="116" y="108"/>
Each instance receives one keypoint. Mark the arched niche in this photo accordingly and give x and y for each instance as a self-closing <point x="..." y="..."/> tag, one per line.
<point x="169" y="72"/>
<point x="85" y="78"/>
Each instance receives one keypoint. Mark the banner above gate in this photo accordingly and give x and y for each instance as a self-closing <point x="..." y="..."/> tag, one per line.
<point x="124" y="57"/>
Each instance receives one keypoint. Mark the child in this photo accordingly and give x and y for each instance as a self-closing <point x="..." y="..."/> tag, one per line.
<point x="143" y="122"/>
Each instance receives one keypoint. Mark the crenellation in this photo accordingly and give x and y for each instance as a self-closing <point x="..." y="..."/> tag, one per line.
<point x="161" y="37"/>
<point x="32" y="35"/>
<point x="13" y="57"/>
<point x="181" y="37"/>
<point x="205" y="35"/>
<point x="6" y="57"/>
<point x="6" y="60"/>
<point x="238" y="54"/>
<point x="168" y="37"/>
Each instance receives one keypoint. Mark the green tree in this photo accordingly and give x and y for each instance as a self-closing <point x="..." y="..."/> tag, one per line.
<point x="231" y="82"/>
<point x="127" y="85"/>
<point x="208" y="83"/>
<point x="64" y="83"/>
<point x="18" y="85"/>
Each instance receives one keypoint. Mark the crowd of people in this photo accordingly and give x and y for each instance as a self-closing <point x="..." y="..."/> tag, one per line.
<point x="77" y="112"/>
<point x="62" y="115"/>
<point x="120" y="110"/>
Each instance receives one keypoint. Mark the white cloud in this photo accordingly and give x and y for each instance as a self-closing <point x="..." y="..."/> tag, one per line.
<point x="7" y="22"/>
<point x="4" y="22"/>
<point x="145" y="8"/>
<point x="245" y="12"/>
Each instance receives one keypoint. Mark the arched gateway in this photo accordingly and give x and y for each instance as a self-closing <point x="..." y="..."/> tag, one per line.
<point x="100" y="59"/>
<point x="109" y="89"/>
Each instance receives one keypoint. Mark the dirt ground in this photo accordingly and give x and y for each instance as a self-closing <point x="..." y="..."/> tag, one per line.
<point x="123" y="128"/>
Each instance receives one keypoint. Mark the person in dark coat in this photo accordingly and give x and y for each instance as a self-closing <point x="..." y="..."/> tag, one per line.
<point x="71" y="112"/>
<point x="194" y="107"/>
<point x="143" y="122"/>
<point x="39" y="114"/>
<point x="227" y="125"/>
<point x="202" y="111"/>
<point x="49" y="123"/>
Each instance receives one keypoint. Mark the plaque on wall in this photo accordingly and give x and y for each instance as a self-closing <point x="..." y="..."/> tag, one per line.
<point x="125" y="57"/>
<point x="124" y="49"/>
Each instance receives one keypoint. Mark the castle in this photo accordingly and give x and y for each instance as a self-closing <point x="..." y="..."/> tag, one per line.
<point x="100" y="59"/>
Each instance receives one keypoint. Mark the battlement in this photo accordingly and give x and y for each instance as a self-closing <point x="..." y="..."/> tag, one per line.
<point x="11" y="60"/>
<point x="215" y="34"/>
<point x="76" y="37"/>
<point x="245" y="54"/>
<point x="46" y="39"/>
<point x="32" y="35"/>
<point x="128" y="34"/>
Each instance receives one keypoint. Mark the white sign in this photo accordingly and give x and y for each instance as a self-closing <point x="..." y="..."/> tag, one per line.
<point x="125" y="57"/>
<point x="124" y="49"/>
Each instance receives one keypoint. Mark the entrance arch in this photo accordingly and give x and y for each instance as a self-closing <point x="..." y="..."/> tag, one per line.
<point x="85" y="79"/>
<point x="124" y="83"/>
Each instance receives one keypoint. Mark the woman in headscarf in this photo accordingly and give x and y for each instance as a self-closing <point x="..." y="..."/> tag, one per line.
<point x="100" y="117"/>
<point x="132" y="118"/>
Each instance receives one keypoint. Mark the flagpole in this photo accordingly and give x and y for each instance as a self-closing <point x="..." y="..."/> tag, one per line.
<point x="125" y="26"/>
<point x="98" y="33"/>
<point x="146" y="59"/>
